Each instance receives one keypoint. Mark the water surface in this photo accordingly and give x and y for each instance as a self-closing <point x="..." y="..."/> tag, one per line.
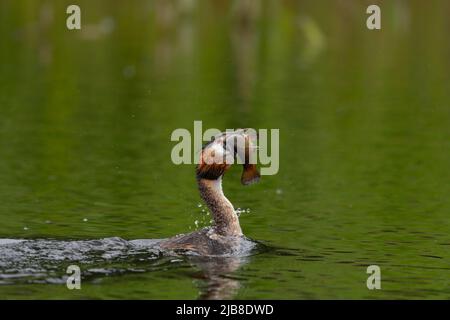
<point x="364" y="120"/>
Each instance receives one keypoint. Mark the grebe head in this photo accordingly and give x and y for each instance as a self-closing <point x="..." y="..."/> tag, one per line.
<point x="226" y="149"/>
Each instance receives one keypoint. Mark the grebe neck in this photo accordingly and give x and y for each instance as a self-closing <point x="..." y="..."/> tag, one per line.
<point x="226" y="221"/>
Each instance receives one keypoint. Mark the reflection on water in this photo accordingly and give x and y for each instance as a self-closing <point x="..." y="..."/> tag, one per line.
<point x="216" y="276"/>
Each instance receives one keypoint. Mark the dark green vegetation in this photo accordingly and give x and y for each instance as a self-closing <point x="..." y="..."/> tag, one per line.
<point x="364" y="119"/>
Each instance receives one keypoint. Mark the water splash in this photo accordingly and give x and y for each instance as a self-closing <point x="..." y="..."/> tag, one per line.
<point x="45" y="261"/>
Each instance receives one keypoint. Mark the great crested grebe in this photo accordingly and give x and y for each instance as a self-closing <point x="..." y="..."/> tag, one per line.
<point x="225" y="236"/>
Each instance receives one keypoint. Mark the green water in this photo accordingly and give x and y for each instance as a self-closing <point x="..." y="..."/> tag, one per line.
<point x="364" y="119"/>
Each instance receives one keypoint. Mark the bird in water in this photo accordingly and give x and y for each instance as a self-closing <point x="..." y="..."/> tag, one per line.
<point x="217" y="250"/>
<point x="225" y="236"/>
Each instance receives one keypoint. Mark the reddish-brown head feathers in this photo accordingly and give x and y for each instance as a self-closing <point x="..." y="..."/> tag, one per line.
<point x="209" y="167"/>
<point x="212" y="170"/>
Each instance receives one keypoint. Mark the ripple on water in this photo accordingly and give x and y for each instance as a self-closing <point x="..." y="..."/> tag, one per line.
<point x="45" y="261"/>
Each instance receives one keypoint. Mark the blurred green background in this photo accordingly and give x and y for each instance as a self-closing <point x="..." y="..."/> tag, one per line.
<point x="364" y="119"/>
